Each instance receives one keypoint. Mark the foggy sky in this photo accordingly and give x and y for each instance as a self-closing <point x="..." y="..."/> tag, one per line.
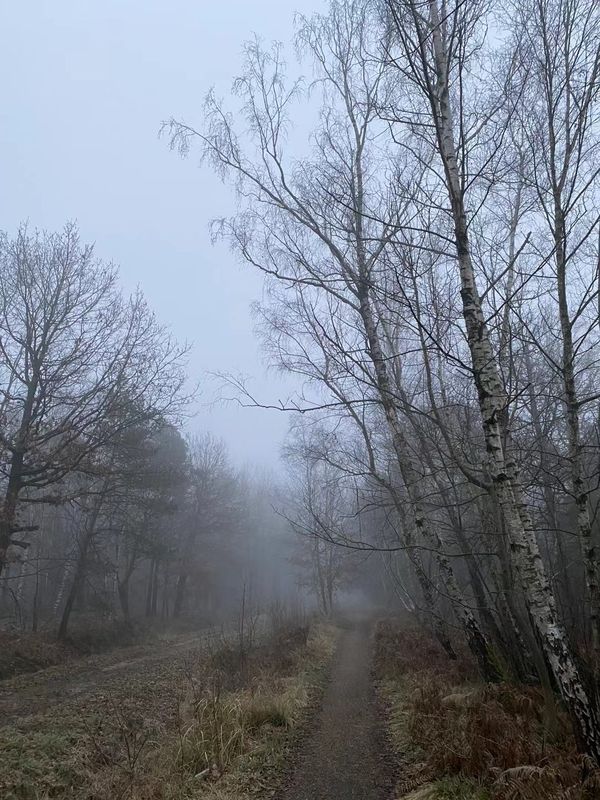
<point x="85" y="85"/>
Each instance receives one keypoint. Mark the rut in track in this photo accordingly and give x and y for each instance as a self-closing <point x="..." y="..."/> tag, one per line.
<point x="346" y="758"/>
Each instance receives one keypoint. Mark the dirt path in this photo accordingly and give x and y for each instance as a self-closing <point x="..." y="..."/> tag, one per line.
<point x="346" y="757"/>
<point x="108" y="674"/>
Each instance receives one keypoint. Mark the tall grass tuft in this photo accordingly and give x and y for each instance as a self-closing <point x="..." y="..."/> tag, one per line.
<point x="213" y="735"/>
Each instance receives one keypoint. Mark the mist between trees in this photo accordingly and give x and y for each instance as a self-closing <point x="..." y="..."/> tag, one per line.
<point x="432" y="267"/>
<point x="432" y="263"/>
<point x="108" y="511"/>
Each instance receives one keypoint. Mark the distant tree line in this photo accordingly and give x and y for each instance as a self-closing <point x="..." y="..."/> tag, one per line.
<point x="106" y="510"/>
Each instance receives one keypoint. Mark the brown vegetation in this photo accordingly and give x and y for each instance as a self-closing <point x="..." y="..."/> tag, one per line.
<point x="462" y="739"/>
<point x="202" y="724"/>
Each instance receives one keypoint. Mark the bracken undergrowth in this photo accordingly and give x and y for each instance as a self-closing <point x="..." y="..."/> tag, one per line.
<point x="490" y="741"/>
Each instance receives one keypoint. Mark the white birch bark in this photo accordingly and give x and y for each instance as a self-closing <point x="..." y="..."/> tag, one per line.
<point x="524" y="546"/>
<point x="410" y="475"/>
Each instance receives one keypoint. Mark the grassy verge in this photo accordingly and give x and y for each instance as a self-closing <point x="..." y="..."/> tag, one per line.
<point x="25" y="653"/>
<point x="460" y="740"/>
<point x="218" y="725"/>
<point x="236" y="743"/>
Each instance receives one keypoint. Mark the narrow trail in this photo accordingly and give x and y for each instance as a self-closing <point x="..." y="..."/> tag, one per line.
<point x="346" y="757"/>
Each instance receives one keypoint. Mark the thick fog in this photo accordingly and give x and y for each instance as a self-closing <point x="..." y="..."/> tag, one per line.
<point x="84" y="90"/>
<point x="380" y="573"/>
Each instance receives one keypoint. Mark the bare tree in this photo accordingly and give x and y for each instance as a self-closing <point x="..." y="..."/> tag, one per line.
<point x="320" y="508"/>
<point x="434" y="47"/>
<point x="79" y="364"/>
<point x="212" y="506"/>
<point x="558" y="82"/>
<point x="420" y="258"/>
<point x="327" y="224"/>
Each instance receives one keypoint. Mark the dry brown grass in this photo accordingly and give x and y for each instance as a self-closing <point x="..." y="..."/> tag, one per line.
<point x="235" y="743"/>
<point x="405" y="649"/>
<point x="22" y="653"/>
<point x="170" y="729"/>
<point x="493" y="735"/>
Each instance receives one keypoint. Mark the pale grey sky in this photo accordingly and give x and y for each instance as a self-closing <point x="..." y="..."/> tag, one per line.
<point x="85" y="85"/>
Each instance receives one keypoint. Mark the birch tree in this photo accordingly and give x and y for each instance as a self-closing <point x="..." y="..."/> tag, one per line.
<point x="428" y="243"/>
<point x="558" y="83"/>
<point x="434" y="48"/>
<point x="327" y="221"/>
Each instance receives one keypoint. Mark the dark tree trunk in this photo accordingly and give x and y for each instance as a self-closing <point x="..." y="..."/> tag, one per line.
<point x="123" y="590"/>
<point x="180" y="594"/>
<point x="66" y="615"/>
<point x="154" y="597"/>
<point x="149" y="588"/>
<point x="80" y="570"/>
<point x="34" y="610"/>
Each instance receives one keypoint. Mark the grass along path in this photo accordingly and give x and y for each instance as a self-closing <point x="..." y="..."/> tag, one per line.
<point x="458" y="739"/>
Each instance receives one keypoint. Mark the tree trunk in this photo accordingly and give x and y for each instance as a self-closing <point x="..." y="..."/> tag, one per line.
<point x="562" y="574"/>
<point x="440" y="629"/>
<point x="492" y="400"/>
<point x="154" y="598"/>
<point x="70" y="602"/>
<point x="80" y="569"/>
<point x="410" y="477"/>
<point x="9" y="509"/>
<point x="165" y="597"/>
<point x="437" y="622"/>
<point x="15" y="476"/>
<point x="476" y="639"/>
<point x="36" y="595"/>
<point x="179" y="594"/>
<point x="123" y="591"/>
<point x="578" y="483"/>
<point x="149" y="588"/>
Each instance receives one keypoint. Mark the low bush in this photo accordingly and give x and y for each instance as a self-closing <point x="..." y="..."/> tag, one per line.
<point x="403" y="649"/>
<point x="476" y="732"/>
<point x="22" y="653"/>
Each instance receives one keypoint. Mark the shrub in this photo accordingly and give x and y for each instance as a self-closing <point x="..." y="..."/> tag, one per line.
<point x="477" y="732"/>
<point x="405" y="649"/>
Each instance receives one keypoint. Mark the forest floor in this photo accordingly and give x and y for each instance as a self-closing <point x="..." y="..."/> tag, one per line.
<point x="359" y="710"/>
<point x="26" y="652"/>
<point x="108" y="674"/>
<point x="458" y="739"/>
<point x="205" y="716"/>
